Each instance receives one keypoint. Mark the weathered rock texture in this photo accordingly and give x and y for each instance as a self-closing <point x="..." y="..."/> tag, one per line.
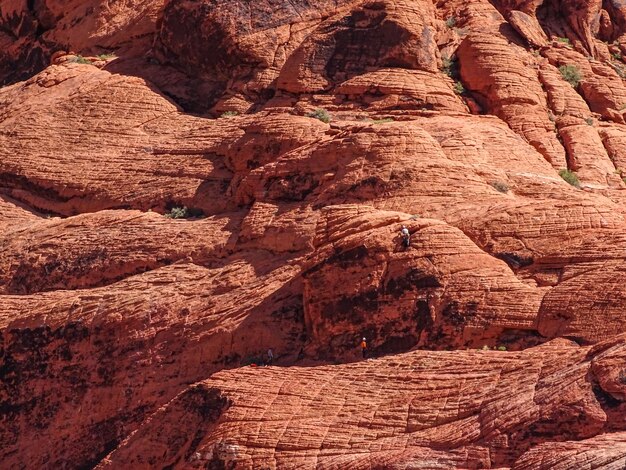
<point x="453" y="118"/>
<point x="32" y="31"/>
<point x="463" y="409"/>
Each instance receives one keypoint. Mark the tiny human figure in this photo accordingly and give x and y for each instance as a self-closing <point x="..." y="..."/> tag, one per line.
<point x="364" y="348"/>
<point x="406" y="236"/>
<point x="270" y="357"/>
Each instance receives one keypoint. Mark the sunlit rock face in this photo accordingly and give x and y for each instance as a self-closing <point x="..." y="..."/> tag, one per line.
<point x="187" y="184"/>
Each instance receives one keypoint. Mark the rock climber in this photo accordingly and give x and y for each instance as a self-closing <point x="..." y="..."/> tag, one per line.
<point x="364" y="348"/>
<point x="270" y="357"/>
<point x="406" y="236"/>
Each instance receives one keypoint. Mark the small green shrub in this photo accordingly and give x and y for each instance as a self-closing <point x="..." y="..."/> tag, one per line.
<point x="589" y="121"/>
<point x="184" y="212"/>
<point x="446" y="65"/>
<point x="563" y="40"/>
<point x="229" y="114"/>
<point x="449" y="66"/>
<point x="79" y="59"/>
<point x="382" y="121"/>
<point x="500" y="186"/>
<point x="501" y="348"/>
<point x="462" y="32"/>
<point x="616" y="56"/>
<point x="570" y="177"/>
<point x="107" y="56"/>
<point x="451" y="22"/>
<point x="551" y="117"/>
<point x="321" y="114"/>
<point x="571" y="74"/>
<point x="459" y="89"/>
<point x="177" y="213"/>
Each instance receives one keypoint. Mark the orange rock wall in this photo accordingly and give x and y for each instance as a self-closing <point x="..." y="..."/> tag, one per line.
<point x="452" y="118"/>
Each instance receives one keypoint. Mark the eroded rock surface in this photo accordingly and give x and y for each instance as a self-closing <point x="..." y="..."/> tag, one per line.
<point x="294" y="140"/>
<point x="463" y="409"/>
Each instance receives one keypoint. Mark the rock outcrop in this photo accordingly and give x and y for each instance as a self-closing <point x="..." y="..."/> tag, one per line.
<point x="31" y="32"/>
<point x="462" y="409"/>
<point x="184" y="185"/>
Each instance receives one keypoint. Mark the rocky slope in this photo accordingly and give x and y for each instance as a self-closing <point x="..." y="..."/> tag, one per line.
<point x="462" y="409"/>
<point x="456" y="119"/>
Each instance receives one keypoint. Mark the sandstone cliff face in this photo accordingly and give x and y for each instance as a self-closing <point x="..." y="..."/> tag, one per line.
<point x="453" y="118"/>
<point x="488" y="409"/>
<point x="32" y="31"/>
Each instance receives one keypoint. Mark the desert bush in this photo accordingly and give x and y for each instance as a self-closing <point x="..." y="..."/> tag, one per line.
<point x="184" y="212"/>
<point x="79" y="59"/>
<point x="177" y="213"/>
<point x="382" y="121"/>
<point x="321" y="114"/>
<point x="451" y="22"/>
<point x="500" y="186"/>
<point x="229" y="113"/>
<point x="462" y="32"/>
<point x="571" y="74"/>
<point x="449" y="66"/>
<point x="459" y="89"/>
<point x="570" y="177"/>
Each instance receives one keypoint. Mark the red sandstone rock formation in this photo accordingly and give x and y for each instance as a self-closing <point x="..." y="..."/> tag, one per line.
<point x="31" y="31"/>
<point x="453" y="118"/>
<point x="461" y="409"/>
